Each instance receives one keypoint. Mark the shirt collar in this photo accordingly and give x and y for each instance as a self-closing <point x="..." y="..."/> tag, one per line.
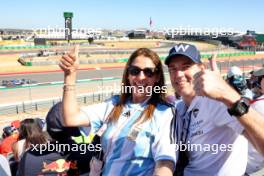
<point x="194" y="103"/>
<point x="182" y="107"/>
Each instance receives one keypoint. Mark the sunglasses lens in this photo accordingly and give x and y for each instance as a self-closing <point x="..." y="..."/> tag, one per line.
<point x="149" y="72"/>
<point x="134" y="71"/>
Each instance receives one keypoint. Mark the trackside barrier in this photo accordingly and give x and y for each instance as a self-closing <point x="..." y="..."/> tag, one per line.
<point x="30" y="106"/>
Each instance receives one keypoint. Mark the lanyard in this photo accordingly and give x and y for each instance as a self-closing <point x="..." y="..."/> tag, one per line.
<point x="181" y="125"/>
<point x="186" y="126"/>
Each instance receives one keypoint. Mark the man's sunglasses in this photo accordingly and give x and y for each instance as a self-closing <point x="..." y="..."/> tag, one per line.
<point x="149" y="72"/>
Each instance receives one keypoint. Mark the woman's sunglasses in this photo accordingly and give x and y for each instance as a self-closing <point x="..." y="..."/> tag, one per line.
<point x="149" y="72"/>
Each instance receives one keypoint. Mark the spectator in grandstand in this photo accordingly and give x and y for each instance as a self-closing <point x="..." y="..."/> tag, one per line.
<point x="209" y="116"/>
<point x="236" y="79"/>
<point x="30" y="133"/>
<point x="39" y="160"/>
<point x="254" y="85"/>
<point x="255" y="160"/>
<point x="251" y="81"/>
<point x="134" y="126"/>
<point x="10" y="136"/>
<point x="4" y="166"/>
<point x="55" y="160"/>
<point x="70" y="135"/>
<point x="15" y="124"/>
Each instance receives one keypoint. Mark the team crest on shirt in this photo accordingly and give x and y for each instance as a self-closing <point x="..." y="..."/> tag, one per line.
<point x="195" y="112"/>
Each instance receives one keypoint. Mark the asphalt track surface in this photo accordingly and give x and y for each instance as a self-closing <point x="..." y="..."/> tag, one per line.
<point x="58" y="76"/>
<point x="44" y="91"/>
<point x="106" y="72"/>
<point x="18" y="95"/>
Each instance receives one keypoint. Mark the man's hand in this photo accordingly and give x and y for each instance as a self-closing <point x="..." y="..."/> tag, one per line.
<point x="211" y="84"/>
<point x="69" y="63"/>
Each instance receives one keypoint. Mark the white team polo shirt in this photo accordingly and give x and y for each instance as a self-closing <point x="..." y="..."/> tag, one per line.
<point x="221" y="149"/>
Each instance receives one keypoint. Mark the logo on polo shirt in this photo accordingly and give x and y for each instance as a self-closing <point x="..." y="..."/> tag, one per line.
<point x="196" y="124"/>
<point x="195" y="112"/>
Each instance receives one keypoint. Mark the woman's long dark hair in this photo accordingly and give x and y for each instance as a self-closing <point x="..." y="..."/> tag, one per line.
<point x="155" y="97"/>
<point x="31" y="131"/>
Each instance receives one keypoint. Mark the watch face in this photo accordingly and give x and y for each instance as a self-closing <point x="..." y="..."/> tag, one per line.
<point x="242" y="108"/>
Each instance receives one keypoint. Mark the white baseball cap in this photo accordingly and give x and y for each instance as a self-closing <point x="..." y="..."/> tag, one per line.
<point x="234" y="71"/>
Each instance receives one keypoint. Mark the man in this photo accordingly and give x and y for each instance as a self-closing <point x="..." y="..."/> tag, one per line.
<point x="203" y="118"/>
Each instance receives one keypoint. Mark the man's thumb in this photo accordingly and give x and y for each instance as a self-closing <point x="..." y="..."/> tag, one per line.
<point x="213" y="63"/>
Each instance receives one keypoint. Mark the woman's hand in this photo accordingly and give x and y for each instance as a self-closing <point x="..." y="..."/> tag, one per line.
<point x="69" y="63"/>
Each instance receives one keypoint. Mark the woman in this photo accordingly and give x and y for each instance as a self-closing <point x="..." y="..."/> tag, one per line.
<point x="134" y="125"/>
<point x="30" y="133"/>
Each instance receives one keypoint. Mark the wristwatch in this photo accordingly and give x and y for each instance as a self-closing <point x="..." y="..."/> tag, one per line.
<point x="239" y="108"/>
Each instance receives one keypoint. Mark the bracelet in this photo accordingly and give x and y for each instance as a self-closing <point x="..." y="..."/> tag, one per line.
<point x="69" y="87"/>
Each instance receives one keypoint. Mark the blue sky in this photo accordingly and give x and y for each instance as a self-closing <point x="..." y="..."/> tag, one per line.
<point x="122" y="14"/>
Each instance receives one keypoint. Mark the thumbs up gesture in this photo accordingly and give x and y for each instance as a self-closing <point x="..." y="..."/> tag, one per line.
<point x="69" y="63"/>
<point x="209" y="83"/>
